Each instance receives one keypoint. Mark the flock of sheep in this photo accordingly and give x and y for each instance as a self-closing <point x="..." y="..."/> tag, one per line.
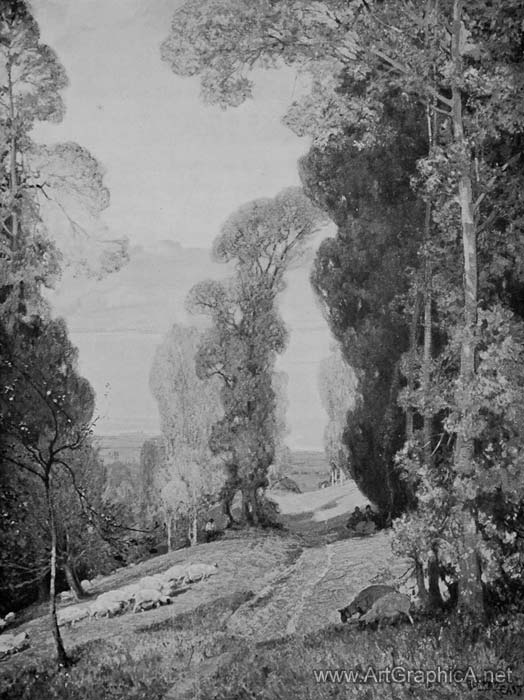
<point x="149" y="592"/>
<point x="374" y="603"/>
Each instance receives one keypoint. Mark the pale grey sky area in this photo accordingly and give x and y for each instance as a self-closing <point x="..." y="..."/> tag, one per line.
<point x="176" y="169"/>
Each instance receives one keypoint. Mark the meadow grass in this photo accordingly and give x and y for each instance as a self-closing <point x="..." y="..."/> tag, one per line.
<point x="284" y="669"/>
<point x="140" y="666"/>
<point x="148" y="664"/>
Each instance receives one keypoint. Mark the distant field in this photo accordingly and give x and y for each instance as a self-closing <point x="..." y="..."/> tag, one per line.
<point x="124" y="448"/>
<point x="307" y="468"/>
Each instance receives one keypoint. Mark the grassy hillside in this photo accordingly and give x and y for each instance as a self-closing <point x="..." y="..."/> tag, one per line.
<point x="264" y="625"/>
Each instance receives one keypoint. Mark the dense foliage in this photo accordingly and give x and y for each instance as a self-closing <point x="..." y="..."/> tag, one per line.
<point x="415" y="113"/>
<point x="262" y="239"/>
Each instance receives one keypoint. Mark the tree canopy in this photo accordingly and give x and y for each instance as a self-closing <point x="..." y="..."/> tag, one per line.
<point x="426" y="262"/>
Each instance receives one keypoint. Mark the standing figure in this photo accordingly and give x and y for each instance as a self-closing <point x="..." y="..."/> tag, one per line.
<point x="210" y="530"/>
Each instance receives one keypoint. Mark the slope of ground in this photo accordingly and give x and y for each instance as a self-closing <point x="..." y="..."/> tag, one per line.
<point x="268" y="587"/>
<point x="244" y="564"/>
<point x="306" y="596"/>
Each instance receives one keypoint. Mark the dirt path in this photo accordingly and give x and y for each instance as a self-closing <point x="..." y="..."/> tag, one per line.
<point x="306" y="596"/>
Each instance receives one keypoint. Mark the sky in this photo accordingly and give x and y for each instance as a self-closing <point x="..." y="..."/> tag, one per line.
<point x="176" y="169"/>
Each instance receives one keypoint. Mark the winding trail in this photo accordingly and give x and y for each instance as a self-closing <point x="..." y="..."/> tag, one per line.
<point x="307" y="593"/>
<point x="305" y="597"/>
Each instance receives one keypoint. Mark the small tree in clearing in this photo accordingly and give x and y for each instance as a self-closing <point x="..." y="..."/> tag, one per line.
<point x="46" y="410"/>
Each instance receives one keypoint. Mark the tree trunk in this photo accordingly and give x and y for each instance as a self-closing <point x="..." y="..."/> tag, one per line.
<point x="62" y="657"/>
<point x="73" y="582"/>
<point x="195" y="528"/>
<point x="254" y="507"/>
<point x="411" y="363"/>
<point x="70" y="572"/>
<point x="470" y="584"/>
<point x="387" y="456"/>
<point x="192" y="532"/>
<point x="435" y="597"/>
<point x="427" y="429"/>
<point x="421" y="583"/>
<point x="226" y="509"/>
<point x="228" y="494"/>
<point x="246" y="512"/>
<point x="169" y="524"/>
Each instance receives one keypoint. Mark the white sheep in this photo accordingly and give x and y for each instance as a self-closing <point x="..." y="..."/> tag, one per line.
<point x="169" y="588"/>
<point x="118" y="595"/>
<point x="75" y="613"/>
<point x="65" y="596"/>
<point x="86" y="585"/>
<point x="127" y="593"/>
<point x="177" y="572"/>
<point x="11" y="643"/>
<point x="105" y="605"/>
<point x="149" y="598"/>
<point x="9" y="617"/>
<point x="389" y="606"/>
<point x="155" y="582"/>
<point x="72" y="614"/>
<point x="199" y="572"/>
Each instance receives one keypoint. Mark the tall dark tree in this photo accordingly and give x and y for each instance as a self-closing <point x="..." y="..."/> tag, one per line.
<point x="361" y="276"/>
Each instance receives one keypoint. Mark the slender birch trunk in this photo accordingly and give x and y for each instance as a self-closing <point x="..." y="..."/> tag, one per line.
<point x="62" y="657"/>
<point x="470" y="586"/>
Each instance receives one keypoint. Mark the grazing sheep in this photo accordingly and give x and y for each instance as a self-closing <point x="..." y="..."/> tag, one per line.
<point x="12" y="643"/>
<point x="9" y="617"/>
<point x="199" y="572"/>
<point x="177" y="572"/>
<point x="364" y="601"/>
<point x="128" y="593"/>
<point x="118" y="595"/>
<point x="389" y="606"/>
<point x="68" y="616"/>
<point x="86" y="585"/>
<point x="65" y="596"/>
<point x="149" y="598"/>
<point x="169" y="588"/>
<point x="155" y="582"/>
<point x="104" y="605"/>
